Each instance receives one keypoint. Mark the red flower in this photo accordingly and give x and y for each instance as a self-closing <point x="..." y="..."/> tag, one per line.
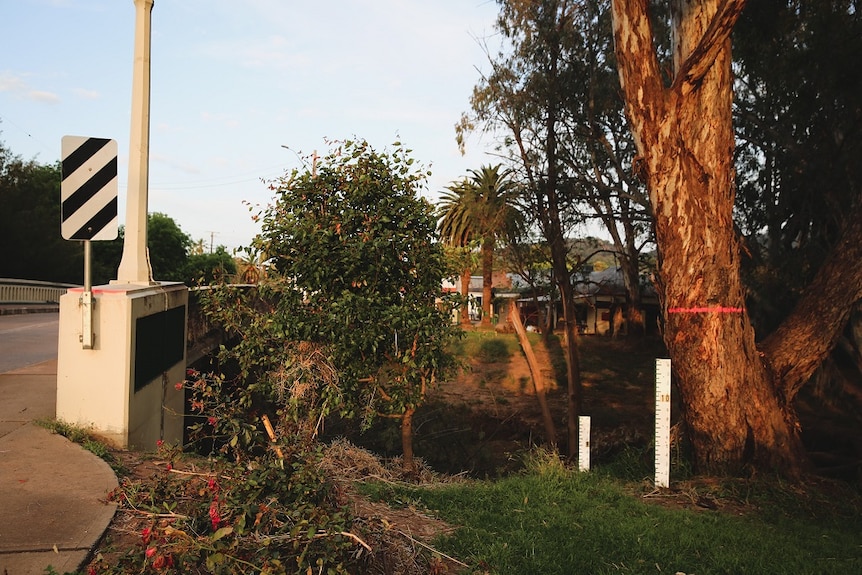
<point x="169" y="467"/>
<point x="212" y="485"/>
<point x="160" y="442"/>
<point x="146" y="534"/>
<point x="212" y="420"/>
<point x="215" y="518"/>
<point x="178" y="385"/>
<point x="150" y="551"/>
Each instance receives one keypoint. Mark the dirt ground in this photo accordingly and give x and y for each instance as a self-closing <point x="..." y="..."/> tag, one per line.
<point x="475" y="425"/>
<point x="618" y="382"/>
<point x="489" y="412"/>
<point x="472" y="425"/>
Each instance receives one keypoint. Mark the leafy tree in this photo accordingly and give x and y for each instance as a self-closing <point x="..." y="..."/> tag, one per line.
<point x="354" y="280"/>
<point x="737" y="396"/>
<point x="525" y="100"/>
<point x="529" y="257"/>
<point x="168" y="246"/>
<point x="458" y="239"/>
<point x="106" y="258"/>
<point x="209" y="268"/>
<point x="482" y="207"/>
<point x="797" y="102"/>
<point x="596" y="146"/>
<point x="798" y="81"/>
<point x="33" y="247"/>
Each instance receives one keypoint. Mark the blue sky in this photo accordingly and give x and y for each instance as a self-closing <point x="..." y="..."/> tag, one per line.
<point x="233" y="82"/>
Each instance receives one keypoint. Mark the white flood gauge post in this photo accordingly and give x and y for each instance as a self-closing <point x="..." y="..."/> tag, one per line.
<point x="584" y="443"/>
<point x="662" y="423"/>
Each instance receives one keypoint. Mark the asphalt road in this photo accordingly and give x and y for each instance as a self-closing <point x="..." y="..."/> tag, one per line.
<point x="27" y="339"/>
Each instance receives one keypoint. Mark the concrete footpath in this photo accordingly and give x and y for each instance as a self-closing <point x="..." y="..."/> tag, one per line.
<point x="52" y="491"/>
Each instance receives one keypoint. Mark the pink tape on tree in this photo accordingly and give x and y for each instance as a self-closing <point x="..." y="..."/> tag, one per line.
<point x="713" y="309"/>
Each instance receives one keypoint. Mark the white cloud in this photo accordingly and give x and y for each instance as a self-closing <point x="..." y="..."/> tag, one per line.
<point x="16" y="84"/>
<point x="41" y="96"/>
<point x="12" y="83"/>
<point x="87" y="94"/>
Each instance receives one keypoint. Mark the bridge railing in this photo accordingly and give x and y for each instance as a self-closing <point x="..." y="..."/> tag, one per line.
<point x="31" y="291"/>
<point x="203" y="337"/>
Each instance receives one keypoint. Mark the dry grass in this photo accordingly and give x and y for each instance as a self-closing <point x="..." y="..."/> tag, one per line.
<point x="399" y="536"/>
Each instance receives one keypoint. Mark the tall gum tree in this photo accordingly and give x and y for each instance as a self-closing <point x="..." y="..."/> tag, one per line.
<point x="736" y="396"/>
<point x="524" y="98"/>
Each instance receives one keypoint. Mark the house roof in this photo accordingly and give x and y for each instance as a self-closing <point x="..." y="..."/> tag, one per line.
<point x="610" y="282"/>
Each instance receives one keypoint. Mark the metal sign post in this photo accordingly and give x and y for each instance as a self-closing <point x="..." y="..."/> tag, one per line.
<point x="88" y="206"/>
<point x="87" y="301"/>
<point x="662" y="422"/>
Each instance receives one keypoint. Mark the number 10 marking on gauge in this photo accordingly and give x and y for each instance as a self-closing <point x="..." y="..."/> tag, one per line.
<point x="662" y="423"/>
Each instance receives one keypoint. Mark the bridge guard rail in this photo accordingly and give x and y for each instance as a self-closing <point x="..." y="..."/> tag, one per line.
<point x="31" y="291"/>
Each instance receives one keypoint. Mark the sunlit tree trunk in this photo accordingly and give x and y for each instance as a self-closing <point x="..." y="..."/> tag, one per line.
<point x="487" y="280"/>
<point x="685" y="141"/>
<point x="465" y="296"/>
<point x="634" y="311"/>
<point x="408" y="463"/>
<point x="535" y="374"/>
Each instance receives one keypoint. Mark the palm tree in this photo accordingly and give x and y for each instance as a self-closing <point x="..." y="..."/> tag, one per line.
<point x="457" y="233"/>
<point x="481" y="208"/>
<point x="251" y="268"/>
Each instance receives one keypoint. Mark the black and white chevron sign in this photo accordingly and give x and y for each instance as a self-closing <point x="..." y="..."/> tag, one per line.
<point x="88" y="193"/>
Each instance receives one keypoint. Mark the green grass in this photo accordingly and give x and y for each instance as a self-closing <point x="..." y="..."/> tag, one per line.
<point x="487" y="346"/>
<point x="553" y="520"/>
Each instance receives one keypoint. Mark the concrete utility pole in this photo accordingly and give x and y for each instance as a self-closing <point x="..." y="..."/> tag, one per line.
<point x="135" y="264"/>
<point x="123" y="383"/>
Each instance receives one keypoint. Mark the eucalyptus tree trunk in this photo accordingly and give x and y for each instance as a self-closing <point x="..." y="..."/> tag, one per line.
<point x="635" y="324"/>
<point x="574" y="390"/>
<point x="487" y="279"/>
<point x="465" y="295"/>
<point x="731" y="404"/>
<point x="628" y="252"/>
<point x="737" y="397"/>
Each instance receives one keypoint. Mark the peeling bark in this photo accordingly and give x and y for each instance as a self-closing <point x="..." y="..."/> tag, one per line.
<point x="685" y="142"/>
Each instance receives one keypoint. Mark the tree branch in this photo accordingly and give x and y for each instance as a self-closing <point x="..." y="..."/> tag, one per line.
<point x="697" y="63"/>
<point x="637" y="63"/>
<point x="804" y="339"/>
